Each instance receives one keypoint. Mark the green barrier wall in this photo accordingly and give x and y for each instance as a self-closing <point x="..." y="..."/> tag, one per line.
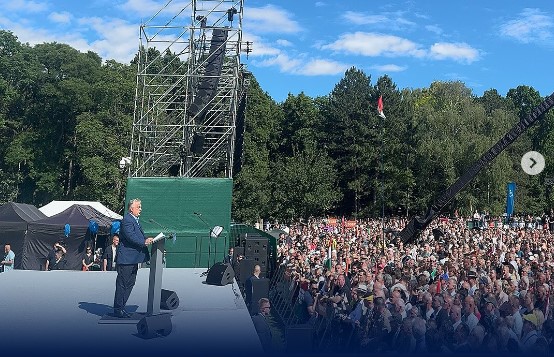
<point x="190" y="207"/>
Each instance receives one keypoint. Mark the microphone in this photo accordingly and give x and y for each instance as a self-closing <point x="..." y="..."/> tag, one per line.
<point x="153" y="221"/>
<point x="170" y="232"/>
<point x="214" y="231"/>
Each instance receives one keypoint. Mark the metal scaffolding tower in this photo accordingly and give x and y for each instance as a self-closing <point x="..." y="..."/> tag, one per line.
<point x="190" y="84"/>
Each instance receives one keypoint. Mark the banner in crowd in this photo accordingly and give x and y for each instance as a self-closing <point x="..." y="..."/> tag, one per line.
<point x="510" y="196"/>
<point x="350" y="224"/>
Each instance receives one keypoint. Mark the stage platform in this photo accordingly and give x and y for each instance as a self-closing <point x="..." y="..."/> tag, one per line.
<point x="58" y="313"/>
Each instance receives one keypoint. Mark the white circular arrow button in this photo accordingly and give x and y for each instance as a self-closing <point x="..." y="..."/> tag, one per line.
<point x="532" y="163"/>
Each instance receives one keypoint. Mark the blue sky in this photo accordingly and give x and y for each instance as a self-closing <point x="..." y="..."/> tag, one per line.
<point x="306" y="46"/>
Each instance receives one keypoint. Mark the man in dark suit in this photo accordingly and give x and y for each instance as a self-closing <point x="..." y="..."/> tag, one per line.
<point x="261" y="324"/>
<point x="230" y="258"/>
<point x="132" y="251"/>
<point x="248" y="289"/>
<point x="109" y="256"/>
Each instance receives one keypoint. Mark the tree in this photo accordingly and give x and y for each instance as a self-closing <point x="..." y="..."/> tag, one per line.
<point x="395" y="179"/>
<point x="251" y="193"/>
<point x="303" y="186"/>
<point x="352" y="140"/>
<point x="300" y="127"/>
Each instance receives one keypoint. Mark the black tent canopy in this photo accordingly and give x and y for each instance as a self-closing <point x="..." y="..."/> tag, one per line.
<point x="14" y="218"/>
<point x="43" y="233"/>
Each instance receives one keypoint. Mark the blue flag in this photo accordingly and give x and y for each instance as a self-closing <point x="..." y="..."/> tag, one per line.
<point x="510" y="196"/>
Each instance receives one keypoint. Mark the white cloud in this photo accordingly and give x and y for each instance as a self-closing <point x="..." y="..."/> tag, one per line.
<point x="284" y="43"/>
<point x="419" y="15"/>
<point x="320" y="4"/>
<point x="319" y="67"/>
<point x="284" y="62"/>
<point x="532" y="25"/>
<point x="358" y="18"/>
<point x="375" y="44"/>
<point x="302" y="66"/>
<point x="149" y="8"/>
<point x="259" y="46"/>
<point x="388" y="20"/>
<point x="34" y="36"/>
<point x="60" y="17"/>
<point x="270" y="19"/>
<point x="24" y="6"/>
<point x="389" y="68"/>
<point x="434" y="28"/>
<point x="117" y="39"/>
<point x="461" y="52"/>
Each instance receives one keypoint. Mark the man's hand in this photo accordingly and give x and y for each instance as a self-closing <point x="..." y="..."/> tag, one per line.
<point x="148" y="241"/>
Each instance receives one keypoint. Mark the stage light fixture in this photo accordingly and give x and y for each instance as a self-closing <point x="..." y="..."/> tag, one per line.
<point x="231" y="13"/>
<point x="216" y="231"/>
<point x="124" y="162"/>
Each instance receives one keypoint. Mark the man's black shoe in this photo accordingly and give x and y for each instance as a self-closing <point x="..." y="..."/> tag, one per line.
<point x="122" y="314"/>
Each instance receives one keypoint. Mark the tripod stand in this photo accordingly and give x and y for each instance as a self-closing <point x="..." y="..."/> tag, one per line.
<point x="214" y="233"/>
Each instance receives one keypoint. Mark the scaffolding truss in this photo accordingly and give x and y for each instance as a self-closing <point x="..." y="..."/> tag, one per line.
<point x="190" y="83"/>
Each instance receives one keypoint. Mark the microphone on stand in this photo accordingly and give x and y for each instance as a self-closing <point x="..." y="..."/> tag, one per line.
<point x="214" y="233"/>
<point x="171" y="233"/>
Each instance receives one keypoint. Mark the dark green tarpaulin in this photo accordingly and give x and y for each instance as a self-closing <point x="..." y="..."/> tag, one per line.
<point x="189" y="207"/>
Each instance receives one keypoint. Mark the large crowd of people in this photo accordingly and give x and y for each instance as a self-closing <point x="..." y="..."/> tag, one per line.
<point x="465" y="285"/>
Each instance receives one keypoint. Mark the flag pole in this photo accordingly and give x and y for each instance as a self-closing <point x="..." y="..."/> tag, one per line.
<point x="382" y="186"/>
<point x="381" y="124"/>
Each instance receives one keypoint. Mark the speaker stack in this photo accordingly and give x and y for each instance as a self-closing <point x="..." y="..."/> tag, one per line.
<point x="256" y="249"/>
<point x="207" y="85"/>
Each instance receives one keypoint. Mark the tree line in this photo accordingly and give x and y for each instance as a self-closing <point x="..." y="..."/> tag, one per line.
<point x="333" y="155"/>
<point x="65" y="121"/>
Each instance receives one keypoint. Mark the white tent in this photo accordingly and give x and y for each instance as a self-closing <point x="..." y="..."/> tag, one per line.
<point x="56" y="207"/>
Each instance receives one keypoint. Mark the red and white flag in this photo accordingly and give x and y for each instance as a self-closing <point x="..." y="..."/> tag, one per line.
<point x="380" y="107"/>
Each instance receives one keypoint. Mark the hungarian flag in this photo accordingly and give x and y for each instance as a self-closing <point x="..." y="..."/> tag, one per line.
<point x="328" y="262"/>
<point x="380" y="107"/>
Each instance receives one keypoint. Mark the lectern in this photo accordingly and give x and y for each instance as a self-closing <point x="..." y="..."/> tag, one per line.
<point x="155" y="322"/>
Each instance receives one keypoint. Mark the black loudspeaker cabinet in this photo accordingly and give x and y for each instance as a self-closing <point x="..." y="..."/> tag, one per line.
<point x="238" y="251"/>
<point x="262" y="262"/>
<point x="220" y="274"/>
<point x="154" y="325"/>
<point x="256" y="248"/>
<point x="169" y="300"/>
<point x="207" y="85"/>
<point x="260" y="289"/>
<point x="242" y="240"/>
<point x="246" y="266"/>
<point x="197" y="145"/>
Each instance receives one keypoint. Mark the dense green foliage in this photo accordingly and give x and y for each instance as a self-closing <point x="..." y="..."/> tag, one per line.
<point x="65" y="120"/>
<point x="334" y="155"/>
